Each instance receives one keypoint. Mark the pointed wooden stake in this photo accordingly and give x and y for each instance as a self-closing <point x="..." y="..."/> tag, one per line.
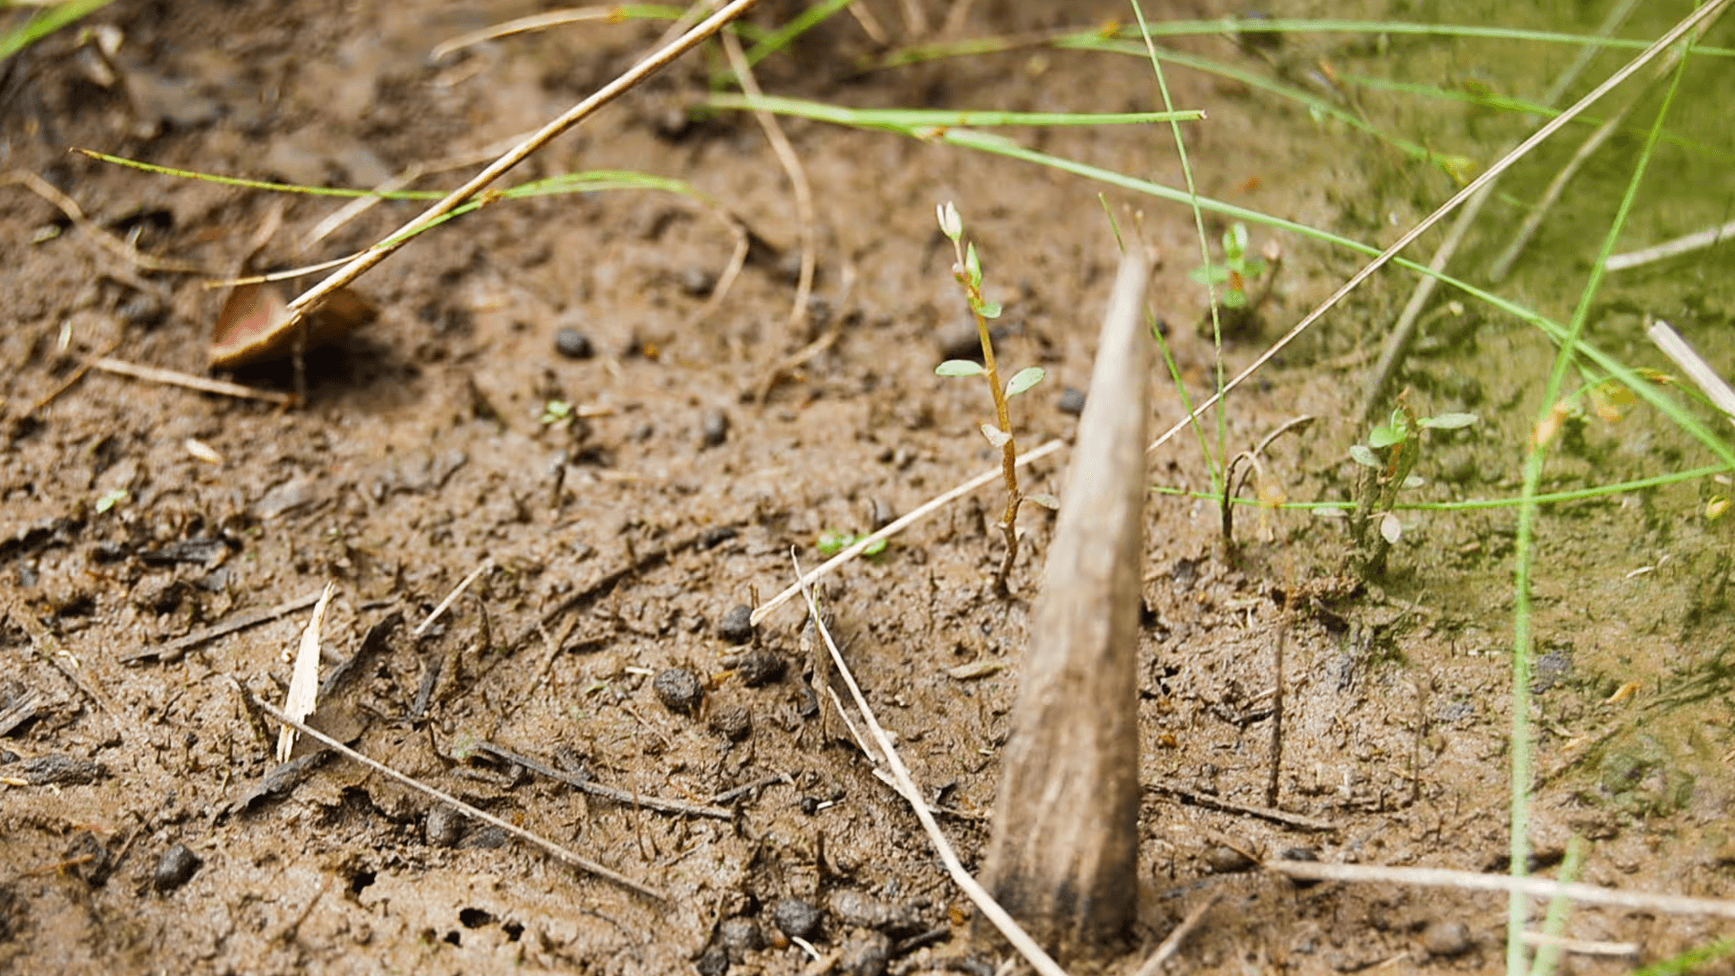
<point x="1064" y="856"/>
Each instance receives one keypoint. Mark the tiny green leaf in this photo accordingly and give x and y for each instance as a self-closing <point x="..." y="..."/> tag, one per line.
<point x="959" y="367"/>
<point x="1449" y="421"/>
<point x="1024" y="379"/>
<point x="1387" y="436"/>
<point x="110" y="499"/>
<point x="1364" y="456"/>
<point x="950" y="223"/>
<point x="973" y="266"/>
<point x="1234" y="298"/>
<point x="1045" y="500"/>
<point x="1414" y="481"/>
<point x="1252" y="267"/>
<point x="995" y="435"/>
<point x="989" y="310"/>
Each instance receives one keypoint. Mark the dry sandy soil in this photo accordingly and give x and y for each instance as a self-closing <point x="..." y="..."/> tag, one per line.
<point x="144" y="826"/>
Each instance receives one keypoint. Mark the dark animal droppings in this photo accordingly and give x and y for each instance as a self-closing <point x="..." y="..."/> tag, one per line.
<point x="737" y="625"/>
<point x="760" y="667"/>
<point x="679" y="690"/>
<point x="796" y="917"/>
<point x="715" y="429"/>
<point x="573" y="344"/>
<point x="176" y="867"/>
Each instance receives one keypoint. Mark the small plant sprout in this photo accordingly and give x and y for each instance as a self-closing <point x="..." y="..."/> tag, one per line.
<point x="556" y="413"/>
<point x="1238" y="270"/>
<point x="1388" y="457"/>
<point x="109" y="499"/>
<point x="968" y="271"/>
<point x="832" y="541"/>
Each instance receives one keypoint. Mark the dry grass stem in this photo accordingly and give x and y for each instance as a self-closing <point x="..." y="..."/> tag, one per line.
<point x="173" y="378"/>
<point x="311" y="298"/>
<point x="915" y="515"/>
<point x="107" y="241"/>
<point x="524" y="25"/>
<point x="791" y="163"/>
<point x="1577" y="891"/>
<point x="1694" y="365"/>
<point x="1488" y="176"/>
<point x="560" y="853"/>
<point x="457" y="591"/>
<point x="1674" y="248"/>
<point x="912" y="794"/>
<point x="1584" y="947"/>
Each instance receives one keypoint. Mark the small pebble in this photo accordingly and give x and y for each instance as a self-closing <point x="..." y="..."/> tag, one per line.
<point x="796" y="917"/>
<point x="176" y="867"/>
<point x="1223" y="859"/>
<point x="738" y="936"/>
<point x="573" y="344"/>
<point x="760" y="667"/>
<point x="715" y="429"/>
<point x="737" y="625"/>
<point x="679" y="690"/>
<point x="1446" y="938"/>
<point x="444" y="827"/>
<point x="143" y="309"/>
<point x="1072" y="401"/>
<point x="734" y="722"/>
<point x="866" y="954"/>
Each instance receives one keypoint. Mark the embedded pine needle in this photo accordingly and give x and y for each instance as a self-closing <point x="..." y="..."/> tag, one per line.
<point x="1064" y="853"/>
<point x="560" y="853"/>
<point x="1033" y="953"/>
<point x="304" y="684"/>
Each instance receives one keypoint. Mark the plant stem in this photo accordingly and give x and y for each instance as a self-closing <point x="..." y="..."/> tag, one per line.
<point x="1003" y="414"/>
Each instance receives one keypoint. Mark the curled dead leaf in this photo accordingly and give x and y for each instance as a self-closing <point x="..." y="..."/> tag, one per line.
<point x="254" y="324"/>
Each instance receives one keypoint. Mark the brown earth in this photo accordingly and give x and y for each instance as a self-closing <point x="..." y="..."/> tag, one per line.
<point x="137" y="830"/>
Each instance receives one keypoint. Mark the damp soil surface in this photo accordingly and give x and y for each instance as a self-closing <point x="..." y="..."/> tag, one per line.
<point x="557" y="399"/>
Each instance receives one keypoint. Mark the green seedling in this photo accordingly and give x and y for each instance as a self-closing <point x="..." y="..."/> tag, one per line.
<point x="968" y="271"/>
<point x="833" y="541"/>
<point x="110" y="499"/>
<point x="556" y="412"/>
<point x="1237" y="271"/>
<point x="1387" y="460"/>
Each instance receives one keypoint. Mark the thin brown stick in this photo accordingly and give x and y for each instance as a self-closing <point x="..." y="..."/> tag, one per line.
<point x="631" y="798"/>
<point x="559" y="853"/>
<point x="457" y="591"/>
<point x="107" y="241"/>
<point x="524" y="25"/>
<point x="1221" y="805"/>
<point x="171" y="377"/>
<point x="311" y="298"/>
<point x="1488" y="176"/>
<point x="1172" y="943"/>
<point x="173" y="650"/>
<point x="1476" y="881"/>
<point x="912" y="794"/>
<point x="898" y="525"/>
<point x="792" y="167"/>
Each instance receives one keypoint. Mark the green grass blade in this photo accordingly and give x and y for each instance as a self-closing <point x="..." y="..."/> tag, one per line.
<point x="44" y="22"/>
<point x="1521" y="745"/>
<point x="913" y="120"/>
<point x="1222" y="455"/>
<point x="784" y="36"/>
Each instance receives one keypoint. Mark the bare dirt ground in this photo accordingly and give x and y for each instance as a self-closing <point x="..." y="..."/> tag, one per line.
<point x="142" y="829"/>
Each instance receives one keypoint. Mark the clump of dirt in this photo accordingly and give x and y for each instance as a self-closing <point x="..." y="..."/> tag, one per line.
<point x="537" y="397"/>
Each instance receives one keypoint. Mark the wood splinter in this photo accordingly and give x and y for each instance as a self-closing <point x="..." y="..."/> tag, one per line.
<point x="1064" y="855"/>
